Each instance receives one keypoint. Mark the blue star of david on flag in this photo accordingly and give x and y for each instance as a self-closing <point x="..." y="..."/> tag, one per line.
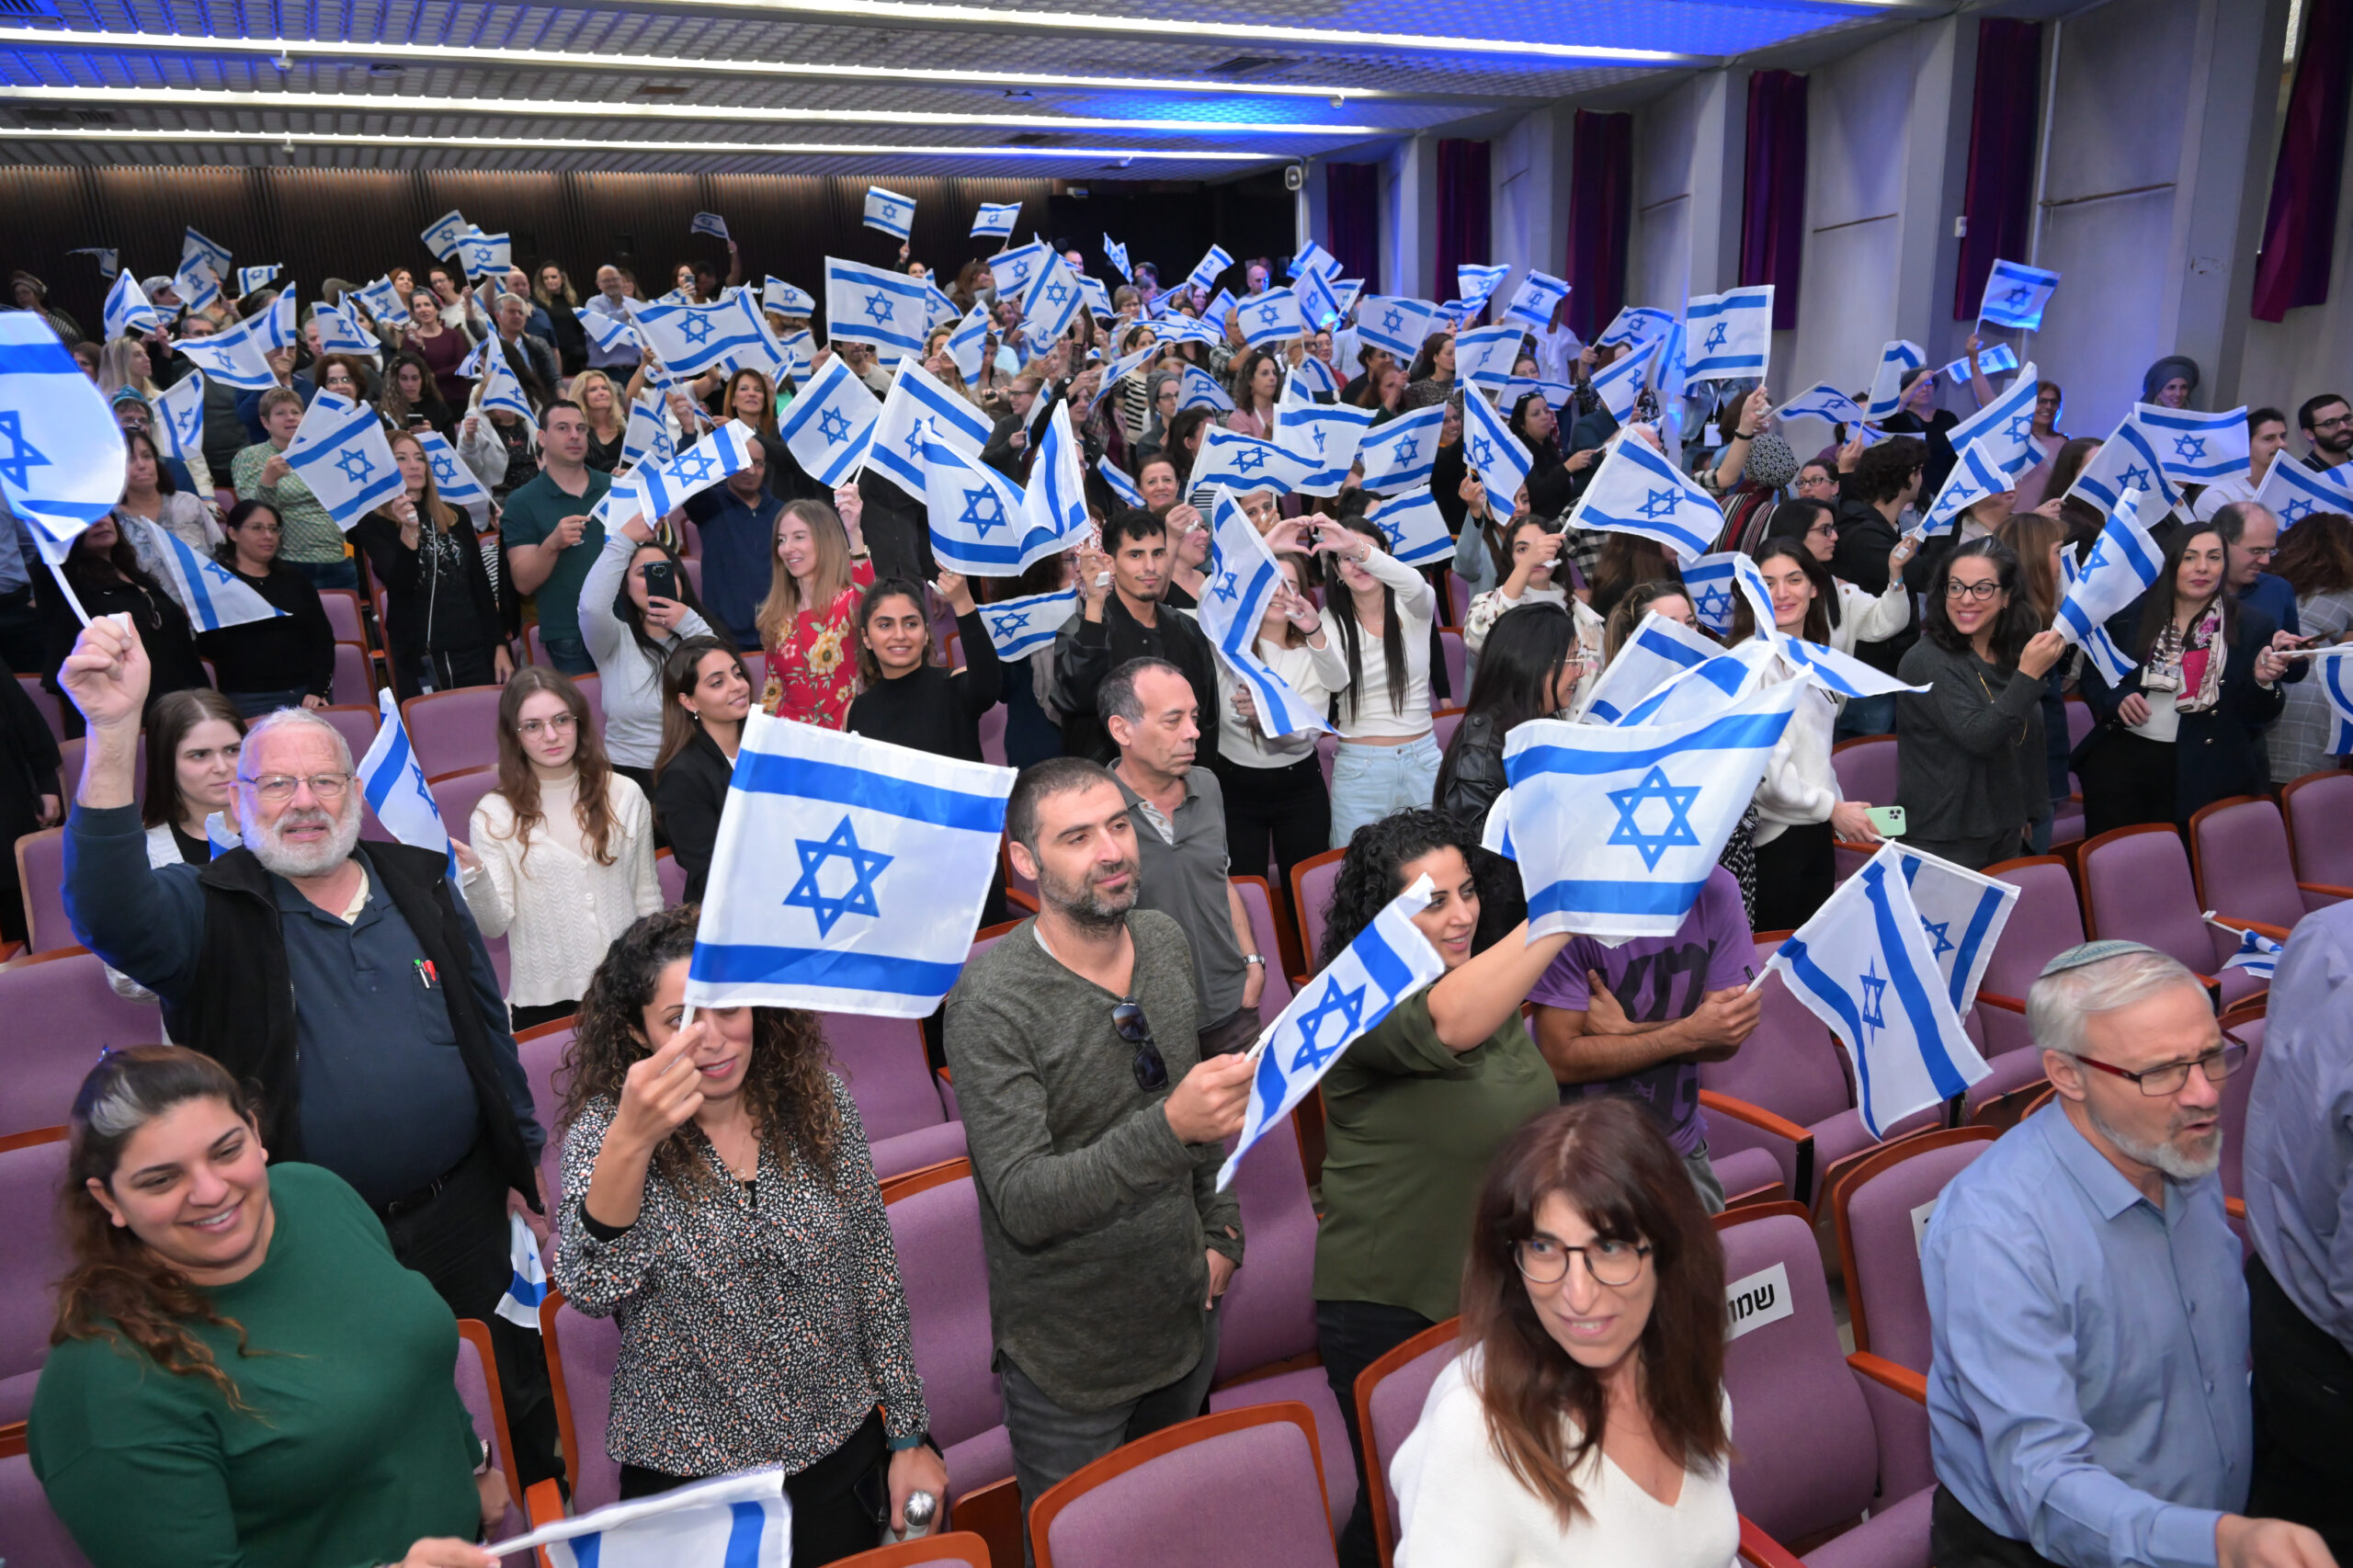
<point x="1713" y="603"/>
<point x="2296" y="511"/>
<point x="1482" y="452"/>
<point x="1408" y="449"/>
<point x="1018" y="628"/>
<point x="1250" y="461"/>
<point x="2021" y="426"/>
<point x="355" y="465"/>
<point x="2190" y="449"/>
<point x="1717" y="335"/>
<point x="833" y="424"/>
<point x="857" y="899"/>
<point x="1004" y="623"/>
<point x="1056" y="294"/>
<point x="2018" y="296"/>
<point x="693" y="466"/>
<point x="877" y="307"/>
<point x="1229" y="586"/>
<point x="2015" y="296"/>
<point x="445" y="469"/>
<point x="697" y="330"/>
<point x="1347" y="1006"/>
<point x="984" y="511"/>
<point x="1678" y="799"/>
<point x="22" y="457"/>
<point x="1661" y="504"/>
<point x="1874" y="1008"/>
<point x="1937" y="931"/>
<point x="2136" y="478"/>
<point x="1392" y="319"/>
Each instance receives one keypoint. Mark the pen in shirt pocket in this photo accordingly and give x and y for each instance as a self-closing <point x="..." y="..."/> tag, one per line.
<point x="427" y="973"/>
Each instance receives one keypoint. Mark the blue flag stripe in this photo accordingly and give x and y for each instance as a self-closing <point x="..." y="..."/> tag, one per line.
<point x="378" y="788"/>
<point x="1981" y="920"/>
<point x="823" y="968"/>
<point x="1614" y="898"/>
<point x="1906" y="981"/>
<point x="51" y="358"/>
<point x="1731" y="733"/>
<point x="767" y="773"/>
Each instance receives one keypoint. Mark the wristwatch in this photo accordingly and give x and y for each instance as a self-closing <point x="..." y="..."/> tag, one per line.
<point x="1254" y="958"/>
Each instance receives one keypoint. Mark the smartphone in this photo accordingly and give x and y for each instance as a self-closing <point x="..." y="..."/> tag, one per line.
<point x="662" y="581"/>
<point x="1887" y="820"/>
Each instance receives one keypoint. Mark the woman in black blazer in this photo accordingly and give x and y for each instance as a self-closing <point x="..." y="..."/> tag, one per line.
<point x="706" y="693"/>
<point x="2185" y="726"/>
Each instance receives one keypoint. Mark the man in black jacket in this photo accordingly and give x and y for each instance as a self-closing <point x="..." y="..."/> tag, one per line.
<point x="1121" y="617"/>
<point x="346" y="983"/>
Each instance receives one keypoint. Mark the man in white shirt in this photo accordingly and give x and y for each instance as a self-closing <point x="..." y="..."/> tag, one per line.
<point x="2267" y="432"/>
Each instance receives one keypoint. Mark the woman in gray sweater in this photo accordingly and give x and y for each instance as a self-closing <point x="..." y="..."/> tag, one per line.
<point x="630" y="632"/>
<point x="1969" y="750"/>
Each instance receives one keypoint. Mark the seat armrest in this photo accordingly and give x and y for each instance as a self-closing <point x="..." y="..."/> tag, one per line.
<point x="1761" y="1551"/>
<point x="1799" y="1140"/>
<point x="1880" y="1369"/>
<point x="2007" y="1004"/>
<point x="543" y="1504"/>
<point x="2263" y="927"/>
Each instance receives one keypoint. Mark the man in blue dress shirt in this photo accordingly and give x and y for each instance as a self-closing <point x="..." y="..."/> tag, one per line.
<point x="2087" y="1401"/>
<point x="2299" y="1170"/>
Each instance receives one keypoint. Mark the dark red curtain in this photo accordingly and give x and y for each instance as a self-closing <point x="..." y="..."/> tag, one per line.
<point x="1462" y="233"/>
<point x="2300" y="232"/>
<point x="1601" y="213"/>
<point x="2003" y="124"/>
<point x="1352" y="219"/>
<point x="1772" y="218"/>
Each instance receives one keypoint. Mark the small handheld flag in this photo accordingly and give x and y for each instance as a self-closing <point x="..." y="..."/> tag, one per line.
<point x="484" y="255"/>
<point x="1976" y="476"/>
<point x="1711" y="582"/>
<point x="393" y="782"/>
<point x="648" y="433"/>
<point x="108" y="257"/>
<point x="2006" y="425"/>
<point x="526" y="1285"/>
<point x="194" y="245"/>
<point x="1199" y="389"/>
<point x="1120" y="485"/>
<point x="828" y="425"/>
<point x="1207" y="271"/>
<point x="2333" y="668"/>
<point x="1117" y="254"/>
<point x="250" y="278"/>
<point x="2258" y="954"/>
<point x="179" y="415"/>
<point x="453" y="480"/>
<point x="339" y="451"/>
<point x="442" y="236"/>
<point x="995" y="220"/>
<point x="1963" y="914"/>
<point x="979" y="526"/>
<point x="1659" y="651"/>
<point x="740" y="1521"/>
<point x="339" y="335"/>
<point x="1271" y="317"/>
<point x="1887" y="380"/>
<point x="1731" y="335"/>
<point x="232" y="357"/>
<point x="2015" y="295"/>
<point x="2127" y="464"/>
<point x="1018" y="628"/>
<point x="197" y="284"/>
<point x="710" y="223"/>
<point x="127" y="310"/>
<point x="1991" y="361"/>
<point x="1636" y="490"/>
<point x="1051" y="303"/>
<point x="385" y="302"/>
<point x="1403" y="453"/>
<point x="1323" y="437"/>
<point x="1396" y="326"/>
<point x="2293" y="492"/>
<point x="1620" y="384"/>
<point x="1532" y="303"/>
<point x="1013" y="270"/>
<point x="1239" y="581"/>
<point x="61" y="456"/>
<point x="1494" y="453"/>
<point x="920" y="411"/>
<point x="1484" y="356"/>
<point x="2194" y="447"/>
<point x="1820" y="401"/>
<point x="786" y="301"/>
<point x="2123" y="563"/>
<point x="1244" y="463"/>
<point x="874" y="305"/>
<point x="657" y="490"/>
<point x="888" y="211"/>
<point x="1477" y="284"/>
<point x="1413" y="526"/>
<point x="213" y="596"/>
<point x="1636" y="323"/>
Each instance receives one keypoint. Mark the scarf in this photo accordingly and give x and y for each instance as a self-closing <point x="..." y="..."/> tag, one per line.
<point x="2172" y="650"/>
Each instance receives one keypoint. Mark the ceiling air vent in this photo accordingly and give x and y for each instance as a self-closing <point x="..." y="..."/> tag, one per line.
<point x="648" y="90"/>
<point x="68" y="116"/>
<point x="1244" y="65"/>
<point x="31" y="8"/>
<point x="1035" y="139"/>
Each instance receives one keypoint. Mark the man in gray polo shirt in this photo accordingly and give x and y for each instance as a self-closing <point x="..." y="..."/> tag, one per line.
<point x="1153" y="716"/>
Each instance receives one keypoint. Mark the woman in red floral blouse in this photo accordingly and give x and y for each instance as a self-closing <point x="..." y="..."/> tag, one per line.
<point x="806" y="622"/>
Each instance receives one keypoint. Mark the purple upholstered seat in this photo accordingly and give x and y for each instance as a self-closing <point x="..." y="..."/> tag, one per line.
<point x="32" y="1260"/>
<point x="2137" y="886"/>
<point x="2243" y="869"/>
<point x="2319" y="805"/>
<point x="1390" y="1396"/>
<point x="61" y="1014"/>
<point x="1145" y="1504"/>
<point x="588" y="1348"/>
<point x="1880" y="1212"/>
<point x="936" y="1231"/>
<point x="452" y="731"/>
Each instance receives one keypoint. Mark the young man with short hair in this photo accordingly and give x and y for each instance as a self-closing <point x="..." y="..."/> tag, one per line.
<point x="1122" y="617"/>
<point x="552" y="534"/>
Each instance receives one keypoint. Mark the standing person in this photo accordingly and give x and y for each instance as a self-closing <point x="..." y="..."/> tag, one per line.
<point x="193" y="739"/>
<point x="313" y="544"/>
<point x="559" y="305"/>
<point x="1388" y="758"/>
<point x="2266" y="437"/>
<point x="442" y="342"/>
<point x="720" y="1204"/>
<point x="1124" y="615"/>
<point x="1887" y="478"/>
<point x="1095" y="1135"/>
<point x="2039" y="541"/>
<point x="2185" y="726"/>
<point x="552" y="535"/>
<point x="631" y="631"/>
<point x="1416" y="1108"/>
<point x="2251" y="542"/>
<point x="151" y="495"/>
<point x="2034" y="486"/>
<point x="1970" y="760"/>
<point x="820" y="568"/>
<point x="2088" y="1394"/>
<point x="1277" y="809"/>
<point x="2170" y="382"/>
<point x="1535" y="552"/>
<point x="1917" y="416"/>
<point x="411" y="400"/>
<point x="613" y="286"/>
<point x="907" y="698"/>
<point x="283" y="662"/>
<point x="736" y="524"/>
<point x="1534" y="668"/>
<point x="1178" y="815"/>
<point x="559" y="858"/>
<point x="243" y="1371"/>
<point x="2326" y="422"/>
<point x="441" y="623"/>
<point x="1853" y="615"/>
<point x="1257" y="383"/>
<point x="2315" y="560"/>
<point x="706" y="693"/>
<point x="103" y="569"/>
<point x="608" y="417"/>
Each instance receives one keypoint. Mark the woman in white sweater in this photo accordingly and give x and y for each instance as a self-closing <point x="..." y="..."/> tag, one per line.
<point x="630" y="631"/>
<point x="1584" y="1422"/>
<point x="561" y="855"/>
<point x="1536" y="552"/>
<point x="1275" y="798"/>
<point x="1388" y="758"/>
<point x="1853" y="615"/>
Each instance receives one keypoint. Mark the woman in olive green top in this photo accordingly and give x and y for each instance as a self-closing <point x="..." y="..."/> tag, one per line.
<point x="242" y="1376"/>
<point x="1413" y="1111"/>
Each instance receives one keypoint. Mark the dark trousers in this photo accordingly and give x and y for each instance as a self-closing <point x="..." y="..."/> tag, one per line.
<point x="2303" y="1409"/>
<point x="1958" y="1538"/>
<point x="23" y="643"/>
<point x="1351" y="1337"/>
<point x="443" y="672"/>
<point x="1285" y="808"/>
<point x="2128" y="779"/>
<point x="1795" y="873"/>
<point x="521" y="1018"/>
<point x="457" y="1239"/>
<point x="837" y="1501"/>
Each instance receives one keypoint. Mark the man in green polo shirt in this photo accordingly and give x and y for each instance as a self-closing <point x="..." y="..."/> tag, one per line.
<point x="553" y="536"/>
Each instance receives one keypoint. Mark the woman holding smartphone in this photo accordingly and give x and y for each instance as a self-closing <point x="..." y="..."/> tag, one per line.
<point x="636" y="606"/>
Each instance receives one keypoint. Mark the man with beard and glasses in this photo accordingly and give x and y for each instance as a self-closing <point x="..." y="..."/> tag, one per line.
<point x="344" y="982"/>
<point x="1096" y="1136"/>
<point x="2087" y="1398"/>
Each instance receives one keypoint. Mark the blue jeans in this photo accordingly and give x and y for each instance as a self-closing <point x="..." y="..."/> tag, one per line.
<point x="1369" y="783"/>
<point x="342" y="574"/>
<point x="569" y="654"/>
<point x="1866" y="716"/>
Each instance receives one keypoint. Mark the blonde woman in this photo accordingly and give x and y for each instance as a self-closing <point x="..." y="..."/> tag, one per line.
<point x="607" y="418"/>
<point x="808" y="623"/>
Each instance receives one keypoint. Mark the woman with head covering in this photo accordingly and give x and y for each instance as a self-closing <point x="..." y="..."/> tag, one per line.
<point x="31" y="294"/>
<point x="2170" y="382"/>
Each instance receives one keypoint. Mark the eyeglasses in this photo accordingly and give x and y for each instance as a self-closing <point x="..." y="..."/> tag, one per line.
<point x="1543" y="1261"/>
<point x="276" y="787"/>
<point x="533" y="729"/>
<point x="1957" y="589"/>
<point x="250" y="527"/>
<point x="2338" y="423"/>
<point x="2158" y="1081"/>
<point x="2259" y="553"/>
<point x="1149" y="1066"/>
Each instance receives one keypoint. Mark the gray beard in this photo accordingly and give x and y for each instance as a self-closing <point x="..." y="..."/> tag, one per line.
<point x="2166" y="1157"/>
<point x="1082" y="907"/>
<point x="281" y="859"/>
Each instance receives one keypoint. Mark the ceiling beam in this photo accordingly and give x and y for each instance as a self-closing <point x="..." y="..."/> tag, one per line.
<point x="608" y="146"/>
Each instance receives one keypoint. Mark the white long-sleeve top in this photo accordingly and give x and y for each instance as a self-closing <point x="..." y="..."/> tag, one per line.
<point x="558" y="909"/>
<point x="1374" y="716"/>
<point x="1800" y="786"/>
<point x="631" y="678"/>
<point x="1314" y="673"/>
<point x="1492" y="605"/>
<point x="1865" y="619"/>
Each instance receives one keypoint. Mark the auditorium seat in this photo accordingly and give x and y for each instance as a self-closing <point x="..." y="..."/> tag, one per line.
<point x="1258" y="901"/>
<point x="2240" y="859"/>
<point x="2137" y="886"/>
<point x="1145" y="1502"/>
<point x="62" y="1015"/>
<point x="1881" y="1210"/>
<point x="993" y="735"/>
<point x="456" y="794"/>
<point x="1865" y="767"/>
<point x="48" y="703"/>
<point x="2045" y="922"/>
<point x="1449" y="643"/>
<point x="1312" y="881"/>
<point x="692" y="566"/>
<point x="582" y="1352"/>
<point x="881" y="1063"/>
<point x="356" y="722"/>
<point x="541" y="1050"/>
<point x="40" y="873"/>
<point x="478" y="1390"/>
<point x="342" y="607"/>
<point x="2319" y="805"/>
<point x="1444" y="722"/>
<point x="355" y="677"/>
<point x="672" y="876"/>
<point x="957" y="1549"/>
<point x="452" y="731"/>
<point x="1390" y="1395"/>
<point x="2246" y="1024"/>
<point x="32" y="1257"/>
<point x="69" y="766"/>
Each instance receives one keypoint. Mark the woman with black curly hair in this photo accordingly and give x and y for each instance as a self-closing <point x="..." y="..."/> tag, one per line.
<point x="1416" y="1108"/>
<point x="719" y="1200"/>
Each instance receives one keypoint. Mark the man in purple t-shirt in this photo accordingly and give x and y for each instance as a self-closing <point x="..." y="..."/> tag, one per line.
<point x="1637" y="1019"/>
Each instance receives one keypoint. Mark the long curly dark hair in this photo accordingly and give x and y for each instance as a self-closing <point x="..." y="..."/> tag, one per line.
<point x="1374" y="872"/>
<point x="786" y="1084"/>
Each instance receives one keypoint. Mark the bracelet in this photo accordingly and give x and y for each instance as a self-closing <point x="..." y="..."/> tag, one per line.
<point x="1744" y="435"/>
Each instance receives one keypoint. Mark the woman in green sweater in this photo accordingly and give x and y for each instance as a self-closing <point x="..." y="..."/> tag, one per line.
<point x="242" y="1376"/>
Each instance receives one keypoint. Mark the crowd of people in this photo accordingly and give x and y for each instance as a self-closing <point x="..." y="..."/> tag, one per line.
<point x="1521" y="1144"/>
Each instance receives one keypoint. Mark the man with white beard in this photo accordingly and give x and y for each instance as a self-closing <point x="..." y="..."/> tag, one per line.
<point x="345" y="981"/>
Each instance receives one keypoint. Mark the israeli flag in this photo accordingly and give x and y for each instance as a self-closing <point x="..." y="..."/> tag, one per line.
<point x="249" y="279"/>
<point x="1841" y="675"/>
<point x="1207" y="271"/>
<point x="1864" y="966"/>
<point x="128" y="311"/>
<point x="1705" y="689"/>
<point x="1117" y="254"/>
<point x="1323" y="437"/>
<point x="742" y="1521"/>
<point x="393" y="781"/>
<point x="1318" y="305"/>
<point x="1731" y="335"/>
<point x="1185" y="329"/>
<point x="1199" y="389"/>
<point x="1056" y="498"/>
<point x="710" y="223"/>
<point x="888" y="211"/>
<point x="785" y="300"/>
<point x="1018" y="628"/>
<point x="1239" y="582"/>
<point x="443" y="235"/>
<point x="1013" y="270"/>
<point x="1669" y="368"/>
<point x="1713" y="580"/>
<point x="62" y="455"/>
<point x="485" y="253"/>
<point x="1388" y="961"/>
<point x="1484" y="357"/>
<point x="1962" y="912"/>
<point x="232" y="357"/>
<point x="2258" y="954"/>
<point x="1887" y="380"/>
<point x="2006" y="425"/>
<point x="660" y="489"/>
<point x="1217" y="310"/>
<point x="1619" y="828"/>
<point x="2293" y="492"/>
<point x="1636" y="324"/>
<point x="197" y="284"/>
<point x="1989" y="361"/>
<point x="385" y="302"/>
<point x="691" y="339"/>
<point x="647" y="434"/>
<point x="275" y="328"/>
<point x="1051" y="302"/>
<point x="1395" y="326"/>
<point x="1977" y="475"/>
<point x="213" y="596"/>
<point x="340" y="452"/>
<point x="1346" y="289"/>
<point x="995" y="220"/>
<point x="938" y="307"/>
<point x="1313" y="261"/>
<point x="2196" y="448"/>
<point x="1413" y="528"/>
<point x="500" y="389"/>
<point x="1403" y="453"/>
<point x="872" y="909"/>
<point x="1659" y="651"/>
<point x="109" y="258"/>
<point x="2333" y="668"/>
<point x="1820" y="401"/>
<point x="1310" y="379"/>
<point x="179" y="415"/>
<point x="2126" y="464"/>
<point x="1272" y="317"/>
<point x="527" y="1284"/>
<point x="919" y="412"/>
<point x="828" y="425"/>
<point x="980" y="524"/>
<point x="874" y="305"/>
<point x="1533" y="302"/>
<point x="611" y="335"/>
<point x="1494" y="453"/>
<point x="1477" y="284"/>
<point x="2123" y="564"/>
<point x="1244" y="463"/>
<point x="339" y="335"/>
<point x="1636" y="490"/>
<point x="453" y="480"/>
<point x="1120" y="485"/>
<point x="212" y="252"/>
<point x="220" y="835"/>
<point x="1620" y="384"/>
<point x="2015" y="296"/>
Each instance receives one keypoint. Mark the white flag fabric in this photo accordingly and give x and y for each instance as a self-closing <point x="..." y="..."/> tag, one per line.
<point x="61" y="456"/>
<point x="385" y="302"/>
<point x="339" y="335"/>
<point x="980" y="522"/>
<point x="1484" y="356"/>
<point x="1620" y="384"/>
<point x="213" y="596"/>
<point x="1477" y="284"/>
<point x="526" y="1282"/>
<point x="2127" y="463"/>
<point x="1636" y="323"/>
<point x="1199" y="389"/>
<point x="276" y="327"/>
<point x="485" y="255"/>
<point x="1319" y="303"/>
<point x="1013" y="270"/>
<point x="250" y="278"/>
<point x="1051" y="302"/>
<point x="847" y="875"/>
<point x="393" y="781"/>
<point x="938" y="307"/>
<point x="1396" y="325"/>
<point x="657" y="490"/>
<point x="919" y="411"/>
<point x="1219" y="308"/>
<point x="2123" y="564"/>
<point x="1018" y="628"/>
<point x="2006" y="425"/>
<point x="691" y="339"/>
<point x="785" y="300"/>
<point x="888" y="211"/>
<point x="996" y="219"/>
<point x="2333" y="668"/>
<point x="127" y="310"/>
<point x="1659" y="651"/>
<point x="2015" y="295"/>
<point x="341" y="453"/>
<point x="1820" y="401"/>
<point x="1323" y="437"/>
<point x="2293" y="492"/>
<point x="737" y="1521"/>
<point x="442" y="236"/>
<point x="1977" y="475"/>
<point x="194" y="245"/>
<point x="710" y="223"/>
<point x="1731" y="335"/>
<point x="500" y="388"/>
<point x="197" y="284"/>
<point x="1207" y="271"/>
<point x="109" y="258"/>
<point x="1313" y="260"/>
<point x="828" y="425"/>
<point x="1494" y="453"/>
<point x="1705" y="690"/>
<point x="1117" y="479"/>
<point x="1862" y="965"/>
<point x="1413" y="526"/>
<point x="1963" y="914"/>
<point x="1312" y="380"/>
<point x="1533" y="302"/>
<point x="1272" y="317"/>
<point x="1617" y="829"/>
<point x="1117" y="254"/>
<point x="874" y="305"/>
<point x="2195" y="448"/>
<point x="1887" y="380"/>
<point x="2258" y="954"/>
<point x="1711" y="582"/>
<point x="232" y="357"/>
<point x="1841" y="675"/>
<point x="1185" y="329"/>
<point x="1244" y="463"/>
<point x="1402" y="454"/>
<point x="1989" y="361"/>
<point x="1239" y="581"/>
<point x="179" y="415"/>
<point x="611" y="334"/>
<point x="1055" y="500"/>
<point x="647" y="434"/>
<point x="1636" y="490"/>
<point x="454" y="479"/>
<point x="1389" y="961"/>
